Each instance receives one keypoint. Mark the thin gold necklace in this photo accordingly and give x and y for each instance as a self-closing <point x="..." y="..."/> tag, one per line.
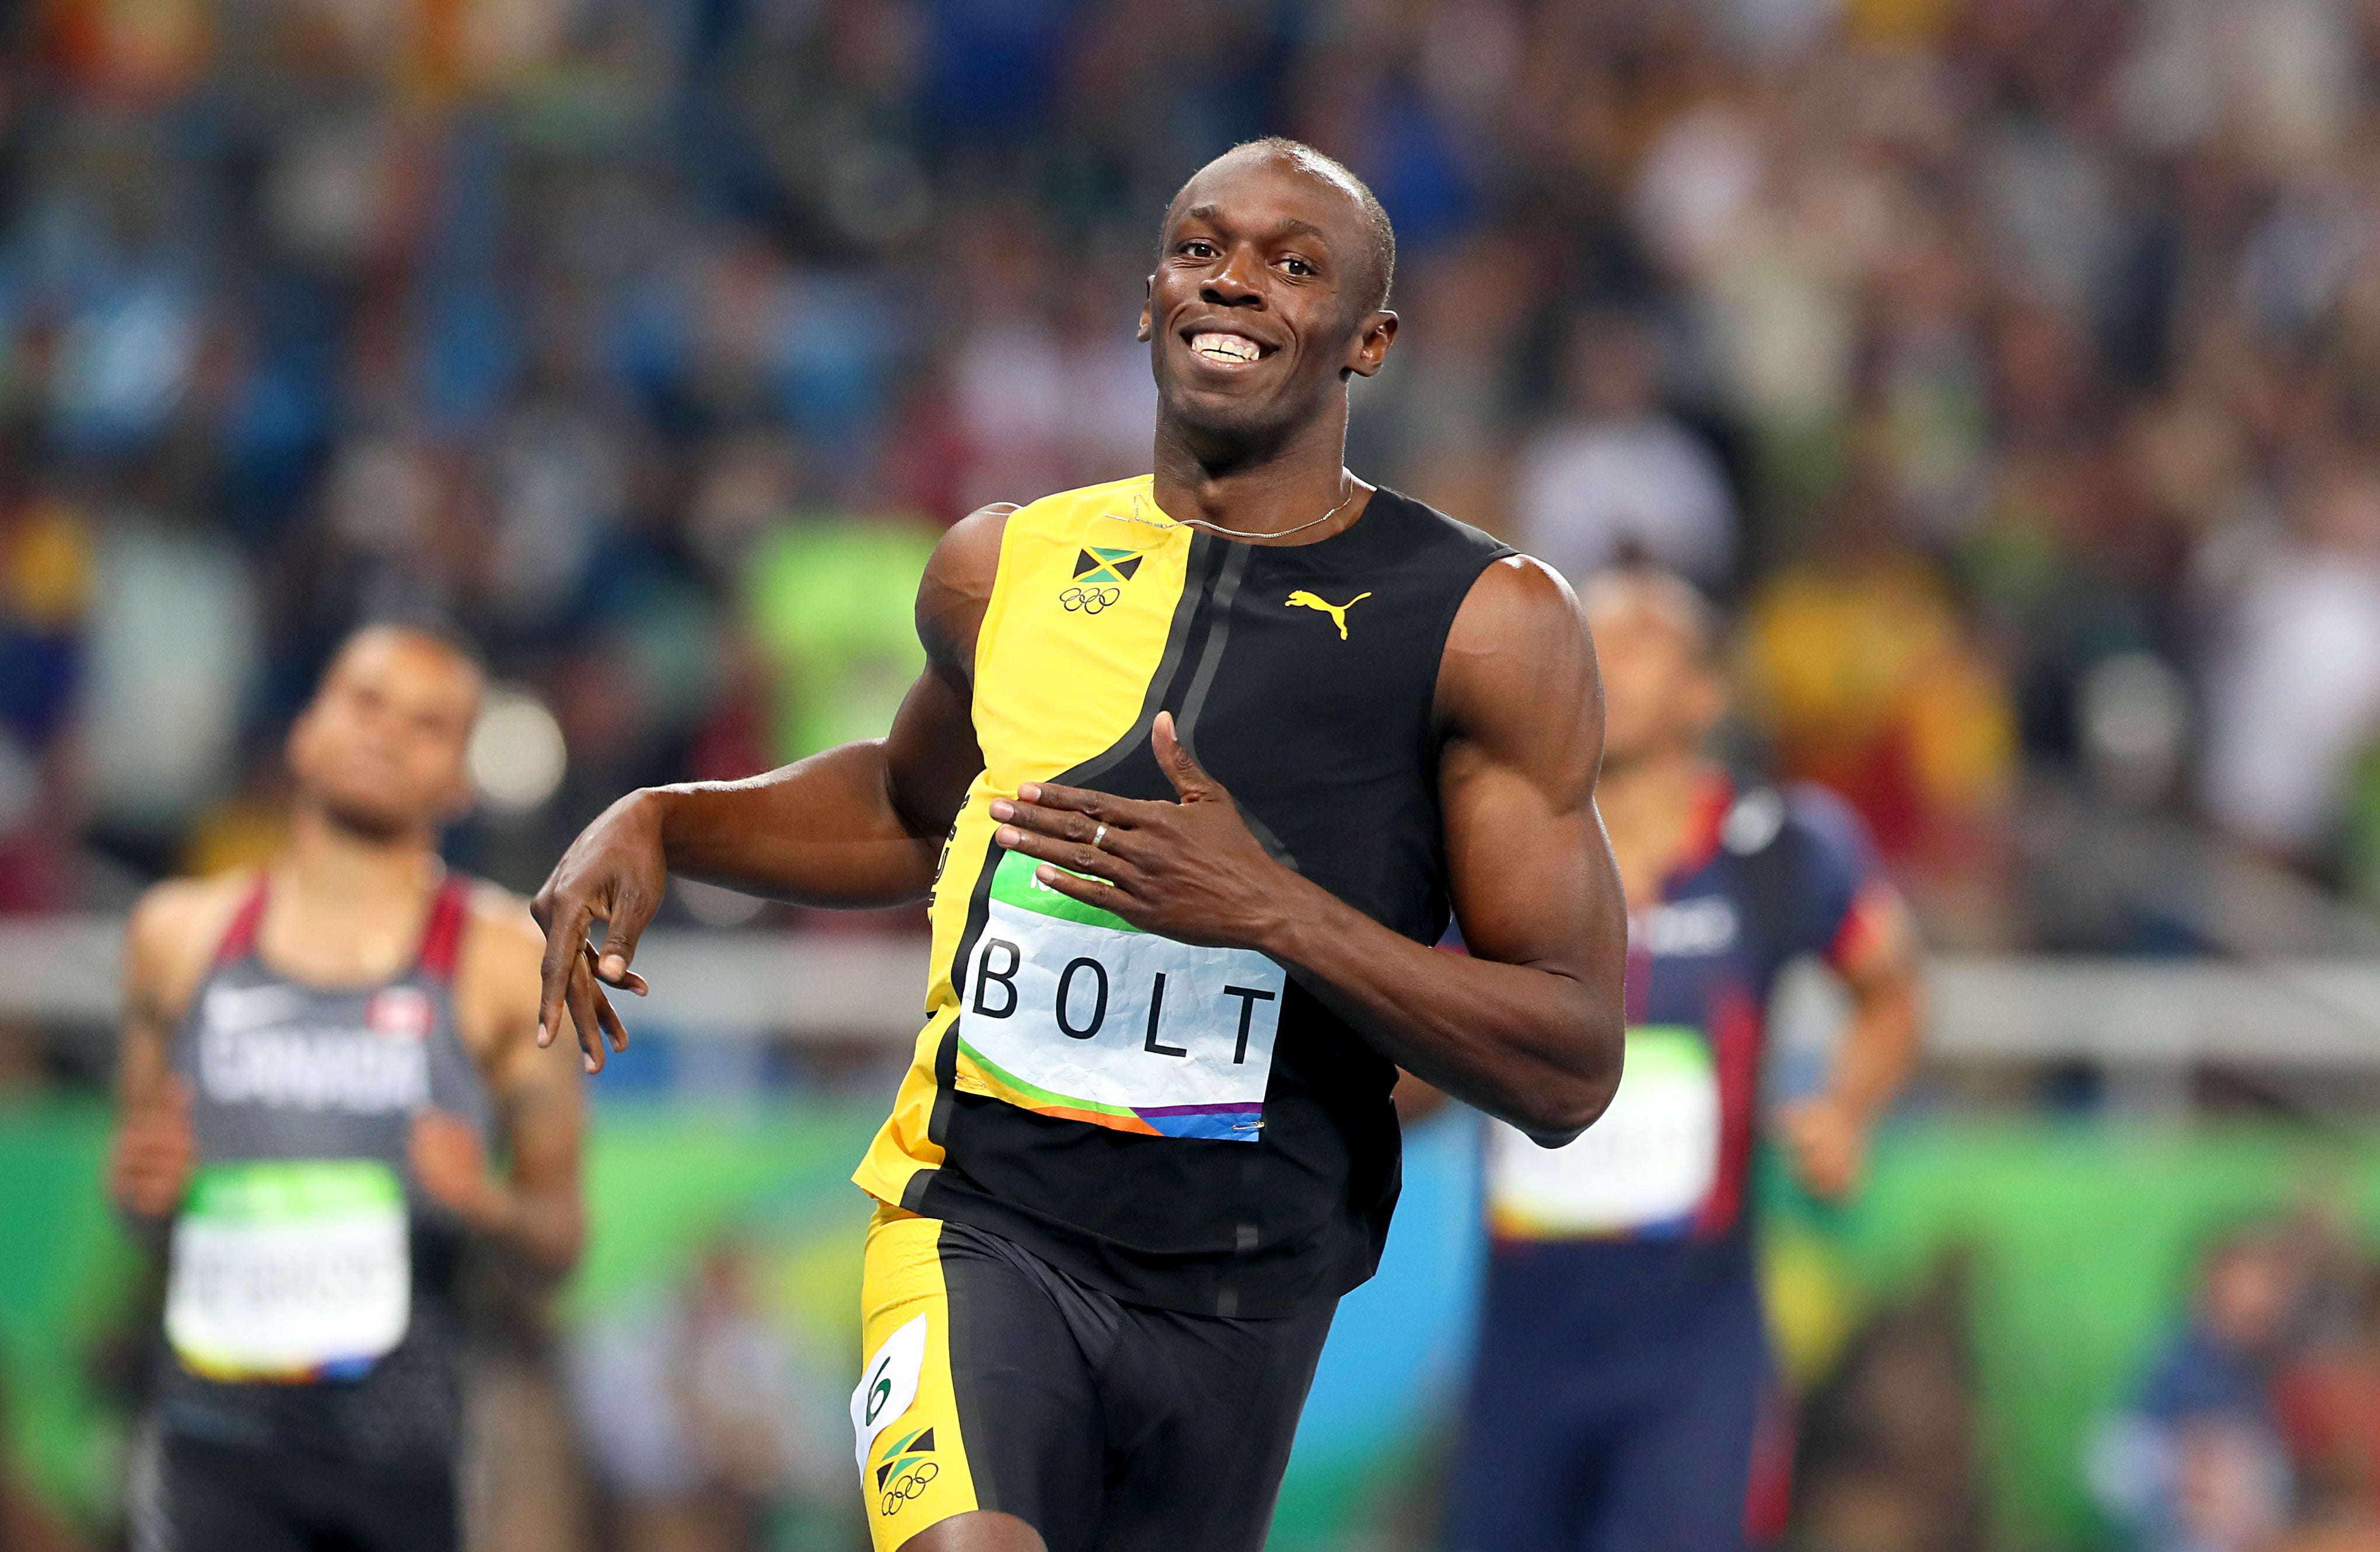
<point x="1242" y="533"/>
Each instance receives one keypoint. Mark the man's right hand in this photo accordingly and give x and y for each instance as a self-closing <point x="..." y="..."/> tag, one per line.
<point x="615" y="873"/>
<point x="857" y="826"/>
<point x="148" y="1169"/>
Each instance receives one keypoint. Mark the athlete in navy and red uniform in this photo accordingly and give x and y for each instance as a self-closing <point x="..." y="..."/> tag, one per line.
<point x="1624" y="1398"/>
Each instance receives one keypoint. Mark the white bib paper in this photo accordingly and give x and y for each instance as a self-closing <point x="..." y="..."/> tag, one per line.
<point x="887" y="1386"/>
<point x="1070" y="1011"/>
<point x="289" y="1271"/>
<point x="1647" y="1164"/>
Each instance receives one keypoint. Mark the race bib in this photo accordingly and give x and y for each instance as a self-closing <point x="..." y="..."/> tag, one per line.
<point x="1070" y="1011"/>
<point x="289" y="1271"/>
<point x="1646" y="1166"/>
<point x="887" y="1386"/>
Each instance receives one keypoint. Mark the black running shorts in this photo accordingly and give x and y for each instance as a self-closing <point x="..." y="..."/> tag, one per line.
<point x="994" y="1381"/>
<point x="216" y="1499"/>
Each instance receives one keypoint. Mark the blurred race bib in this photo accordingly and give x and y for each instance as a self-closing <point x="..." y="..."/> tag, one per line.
<point x="289" y="1271"/>
<point x="1644" y="1167"/>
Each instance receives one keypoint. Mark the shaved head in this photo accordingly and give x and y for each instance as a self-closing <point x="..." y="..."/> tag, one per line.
<point x="1381" y="245"/>
<point x="1676" y="601"/>
<point x="1658" y="641"/>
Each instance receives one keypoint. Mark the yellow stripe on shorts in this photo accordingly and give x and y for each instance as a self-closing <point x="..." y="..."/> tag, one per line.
<point x="916" y="1469"/>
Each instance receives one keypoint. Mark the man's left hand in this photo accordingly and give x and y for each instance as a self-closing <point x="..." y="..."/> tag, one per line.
<point x="1828" y="1141"/>
<point x="1191" y="870"/>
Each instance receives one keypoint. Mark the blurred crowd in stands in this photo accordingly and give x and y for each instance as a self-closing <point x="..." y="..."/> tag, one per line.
<point x="2011" y="366"/>
<point x="2255" y="1427"/>
<point x="2009" y="369"/>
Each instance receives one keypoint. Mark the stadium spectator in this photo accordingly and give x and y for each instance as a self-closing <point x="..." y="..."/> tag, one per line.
<point x="2294" y="682"/>
<point x="700" y="1418"/>
<point x="544" y="323"/>
<point x="1614" y="477"/>
<point x="2195" y="1461"/>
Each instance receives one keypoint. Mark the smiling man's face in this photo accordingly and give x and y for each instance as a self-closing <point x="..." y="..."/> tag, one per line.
<point x="1261" y="299"/>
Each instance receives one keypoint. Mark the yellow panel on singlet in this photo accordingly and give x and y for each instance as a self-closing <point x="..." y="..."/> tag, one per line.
<point x="1081" y="609"/>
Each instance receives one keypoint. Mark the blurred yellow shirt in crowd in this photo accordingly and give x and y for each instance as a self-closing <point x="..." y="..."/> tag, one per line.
<point x="46" y="567"/>
<point x="1865" y="681"/>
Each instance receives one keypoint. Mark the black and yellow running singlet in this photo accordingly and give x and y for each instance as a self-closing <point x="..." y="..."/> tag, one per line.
<point x="1180" y="1126"/>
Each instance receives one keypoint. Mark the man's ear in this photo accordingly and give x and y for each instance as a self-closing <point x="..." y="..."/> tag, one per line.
<point x="1371" y="343"/>
<point x="1147" y="300"/>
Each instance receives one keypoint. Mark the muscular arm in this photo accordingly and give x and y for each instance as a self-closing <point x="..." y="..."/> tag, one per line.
<point x="1528" y="1027"/>
<point x="857" y="826"/>
<point x="1827" y="1134"/>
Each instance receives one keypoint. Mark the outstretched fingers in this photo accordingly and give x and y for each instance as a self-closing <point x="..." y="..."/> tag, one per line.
<point x="1079" y="856"/>
<point x="1108" y="829"/>
<point x="1096" y="891"/>
<point x="1079" y="804"/>
<point x="613" y="1030"/>
<point x="565" y="936"/>
<point x="585" y="997"/>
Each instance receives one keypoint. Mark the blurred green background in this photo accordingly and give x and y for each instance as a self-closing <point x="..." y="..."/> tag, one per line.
<point x="2065" y="1247"/>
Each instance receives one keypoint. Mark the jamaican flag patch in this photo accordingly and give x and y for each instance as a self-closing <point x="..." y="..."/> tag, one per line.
<point x="906" y="1454"/>
<point x="1097" y="565"/>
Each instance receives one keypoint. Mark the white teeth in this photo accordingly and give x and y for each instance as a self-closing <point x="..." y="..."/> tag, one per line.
<point x="1224" y="347"/>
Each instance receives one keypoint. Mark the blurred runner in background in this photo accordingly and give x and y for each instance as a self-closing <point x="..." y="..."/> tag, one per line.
<point x="1624" y="1396"/>
<point x="320" y="1060"/>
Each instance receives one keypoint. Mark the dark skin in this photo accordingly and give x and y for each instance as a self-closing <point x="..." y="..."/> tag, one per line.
<point x="1264" y="249"/>
<point x="1667" y="692"/>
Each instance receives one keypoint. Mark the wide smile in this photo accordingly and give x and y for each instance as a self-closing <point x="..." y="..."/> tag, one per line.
<point x="1226" y="349"/>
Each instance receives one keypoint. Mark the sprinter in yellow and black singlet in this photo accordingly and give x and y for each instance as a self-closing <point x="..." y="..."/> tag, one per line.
<point x="1201" y="763"/>
<point x="1061" y="1040"/>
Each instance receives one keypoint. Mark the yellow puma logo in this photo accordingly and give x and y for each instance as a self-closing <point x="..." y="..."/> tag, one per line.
<point x="1337" y="611"/>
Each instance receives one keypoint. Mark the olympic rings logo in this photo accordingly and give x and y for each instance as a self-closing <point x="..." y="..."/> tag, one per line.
<point x="909" y="1484"/>
<point x="1091" y="601"/>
